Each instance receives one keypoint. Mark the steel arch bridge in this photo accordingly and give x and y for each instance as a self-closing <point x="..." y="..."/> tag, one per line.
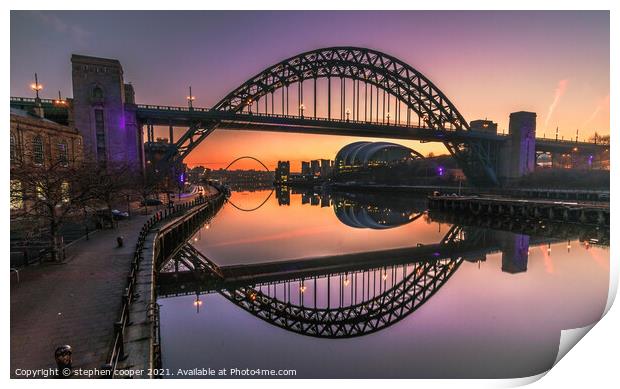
<point x="398" y="298"/>
<point x="349" y="298"/>
<point x="247" y="157"/>
<point x="268" y="196"/>
<point x="412" y="92"/>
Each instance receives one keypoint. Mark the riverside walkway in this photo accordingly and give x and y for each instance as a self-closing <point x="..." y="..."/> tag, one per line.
<point x="75" y="302"/>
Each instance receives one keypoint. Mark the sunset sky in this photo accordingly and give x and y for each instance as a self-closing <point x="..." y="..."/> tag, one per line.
<point x="489" y="64"/>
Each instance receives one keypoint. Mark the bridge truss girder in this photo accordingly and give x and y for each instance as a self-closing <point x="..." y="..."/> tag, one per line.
<point x="394" y="77"/>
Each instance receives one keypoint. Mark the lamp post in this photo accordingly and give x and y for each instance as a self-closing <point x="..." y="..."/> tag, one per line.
<point x="36" y="87"/>
<point x="348" y="113"/>
<point x="388" y="118"/>
<point x="60" y="101"/>
<point x="301" y="110"/>
<point x="190" y="99"/>
<point x="197" y="303"/>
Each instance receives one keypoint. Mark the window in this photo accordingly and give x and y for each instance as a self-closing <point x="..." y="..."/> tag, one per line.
<point x="64" y="191"/>
<point x="100" y="134"/>
<point x="63" y="156"/>
<point x="40" y="191"/>
<point x="37" y="150"/>
<point x="13" y="148"/>
<point x="17" y="195"/>
<point x="97" y="93"/>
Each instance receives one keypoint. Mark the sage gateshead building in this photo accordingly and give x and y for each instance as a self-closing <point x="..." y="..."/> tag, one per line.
<point x="363" y="155"/>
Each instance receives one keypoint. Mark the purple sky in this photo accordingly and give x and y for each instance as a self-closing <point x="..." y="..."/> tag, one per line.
<point x="489" y="64"/>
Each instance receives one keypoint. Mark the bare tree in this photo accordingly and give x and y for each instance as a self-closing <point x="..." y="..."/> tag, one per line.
<point x="600" y="139"/>
<point x="108" y="183"/>
<point x="47" y="194"/>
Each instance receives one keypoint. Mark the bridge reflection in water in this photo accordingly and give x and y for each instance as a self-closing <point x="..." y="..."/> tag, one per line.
<point x="351" y="295"/>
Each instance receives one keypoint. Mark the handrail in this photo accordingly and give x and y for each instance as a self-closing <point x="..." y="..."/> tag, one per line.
<point x="117" y="352"/>
<point x="336" y="120"/>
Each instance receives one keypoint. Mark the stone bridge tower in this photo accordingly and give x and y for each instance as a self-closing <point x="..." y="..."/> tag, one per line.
<point x="104" y="112"/>
<point x="518" y="154"/>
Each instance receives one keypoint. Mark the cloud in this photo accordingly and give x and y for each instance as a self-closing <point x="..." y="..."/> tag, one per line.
<point x="77" y="33"/>
<point x="602" y="104"/>
<point x="559" y="92"/>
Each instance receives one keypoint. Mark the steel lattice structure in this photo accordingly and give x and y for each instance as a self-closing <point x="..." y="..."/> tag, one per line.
<point x="373" y="315"/>
<point x="373" y="68"/>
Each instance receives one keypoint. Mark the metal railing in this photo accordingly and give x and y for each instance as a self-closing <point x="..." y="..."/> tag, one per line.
<point x="117" y="353"/>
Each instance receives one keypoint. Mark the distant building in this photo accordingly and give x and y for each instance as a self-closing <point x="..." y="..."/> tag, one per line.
<point x="483" y="126"/>
<point x="155" y="152"/>
<point x="283" y="171"/>
<point x="305" y="168"/>
<point x="196" y="174"/>
<point x="362" y="155"/>
<point x="326" y="168"/>
<point x="315" y="167"/>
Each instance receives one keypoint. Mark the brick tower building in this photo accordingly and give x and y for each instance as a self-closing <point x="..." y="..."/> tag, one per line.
<point x="104" y="112"/>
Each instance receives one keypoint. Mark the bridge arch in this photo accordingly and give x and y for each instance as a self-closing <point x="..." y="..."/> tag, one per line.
<point x="393" y="76"/>
<point x="268" y="196"/>
<point x="374" y="67"/>
<point x="401" y="297"/>
<point x="398" y="298"/>
<point x="247" y="157"/>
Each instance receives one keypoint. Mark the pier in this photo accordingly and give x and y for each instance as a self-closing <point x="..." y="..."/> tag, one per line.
<point x="559" y="211"/>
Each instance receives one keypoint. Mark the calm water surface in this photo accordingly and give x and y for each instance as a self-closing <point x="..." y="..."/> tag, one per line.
<point x="494" y="309"/>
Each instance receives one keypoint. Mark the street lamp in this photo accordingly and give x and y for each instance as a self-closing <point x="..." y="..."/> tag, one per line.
<point x="301" y="110"/>
<point x="348" y="113"/>
<point x="388" y="118"/>
<point x="60" y="101"/>
<point x="197" y="303"/>
<point x="190" y="99"/>
<point x="36" y="87"/>
<point x="250" y="105"/>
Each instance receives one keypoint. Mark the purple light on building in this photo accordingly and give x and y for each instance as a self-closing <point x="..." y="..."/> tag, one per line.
<point x="182" y="178"/>
<point x="440" y="171"/>
<point x="590" y="158"/>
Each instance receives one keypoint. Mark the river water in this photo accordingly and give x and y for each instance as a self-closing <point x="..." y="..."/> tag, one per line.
<point x="418" y="298"/>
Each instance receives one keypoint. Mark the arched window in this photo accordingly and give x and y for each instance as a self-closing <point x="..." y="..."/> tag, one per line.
<point x="97" y="93"/>
<point x="37" y="150"/>
<point x="13" y="148"/>
<point x="63" y="156"/>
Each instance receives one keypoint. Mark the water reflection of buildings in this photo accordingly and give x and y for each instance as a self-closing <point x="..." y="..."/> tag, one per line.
<point x="243" y="180"/>
<point x="384" y="211"/>
<point x="358" y="215"/>
<point x="350" y="295"/>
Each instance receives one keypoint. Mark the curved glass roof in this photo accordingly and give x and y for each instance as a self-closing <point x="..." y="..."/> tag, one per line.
<point x="359" y="153"/>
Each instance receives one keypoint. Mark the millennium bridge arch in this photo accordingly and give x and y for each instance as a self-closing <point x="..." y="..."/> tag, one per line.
<point x="266" y="198"/>
<point x="372" y="69"/>
<point x="247" y="157"/>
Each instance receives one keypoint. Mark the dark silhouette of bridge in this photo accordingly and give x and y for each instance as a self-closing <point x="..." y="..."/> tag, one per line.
<point x="367" y="93"/>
